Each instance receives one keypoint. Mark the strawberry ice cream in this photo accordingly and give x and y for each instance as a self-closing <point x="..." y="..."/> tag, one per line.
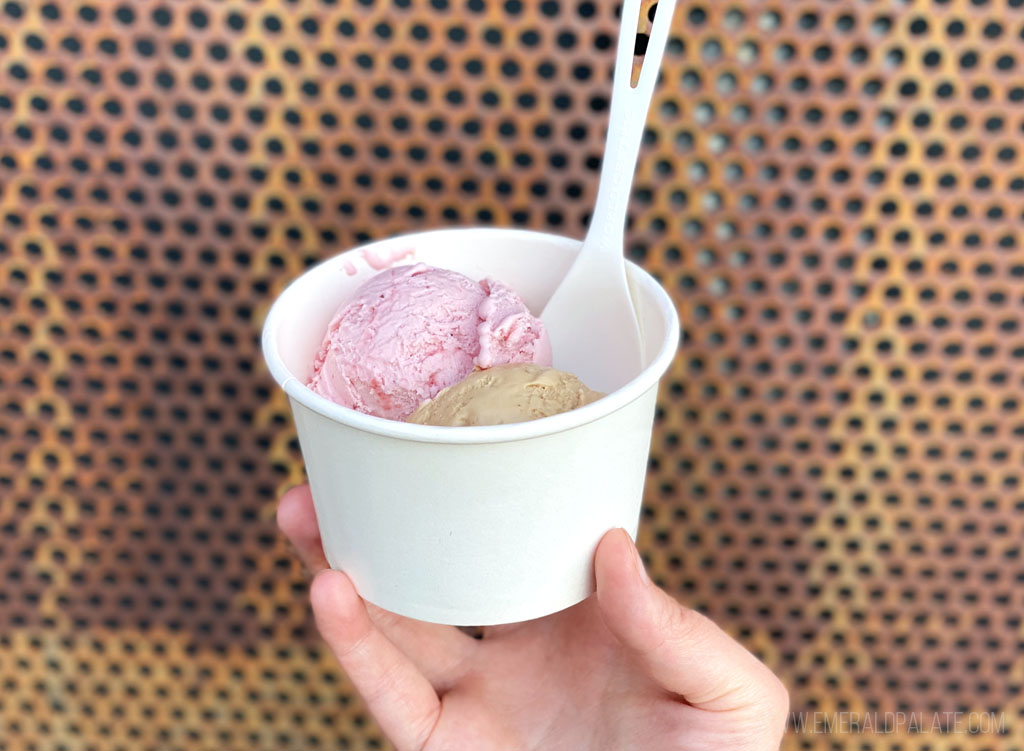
<point x="411" y="331"/>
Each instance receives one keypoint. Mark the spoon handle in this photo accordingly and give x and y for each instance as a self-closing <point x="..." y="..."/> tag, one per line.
<point x="626" y="124"/>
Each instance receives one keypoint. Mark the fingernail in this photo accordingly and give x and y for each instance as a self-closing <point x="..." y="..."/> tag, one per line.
<point x="641" y="570"/>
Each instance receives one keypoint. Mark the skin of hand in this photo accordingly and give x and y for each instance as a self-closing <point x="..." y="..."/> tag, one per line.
<point x="628" y="668"/>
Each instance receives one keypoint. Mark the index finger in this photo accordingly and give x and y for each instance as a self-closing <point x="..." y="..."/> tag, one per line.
<point x="440" y="652"/>
<point x="297" y="519"/>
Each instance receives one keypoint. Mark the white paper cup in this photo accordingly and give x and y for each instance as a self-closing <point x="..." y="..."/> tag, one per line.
<point x="469" y="525"/>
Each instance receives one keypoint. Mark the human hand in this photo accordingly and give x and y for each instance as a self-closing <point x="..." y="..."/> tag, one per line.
<point x="629" y="668"/>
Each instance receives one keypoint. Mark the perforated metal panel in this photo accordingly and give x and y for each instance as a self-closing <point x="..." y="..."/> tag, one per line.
<point x="831" y="191"/>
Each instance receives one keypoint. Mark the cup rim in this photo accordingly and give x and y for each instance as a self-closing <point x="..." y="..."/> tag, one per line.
<point x="477" y="434"/>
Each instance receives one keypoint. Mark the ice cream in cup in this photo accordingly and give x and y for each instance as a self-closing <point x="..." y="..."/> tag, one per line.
<point x="474" y="524"/>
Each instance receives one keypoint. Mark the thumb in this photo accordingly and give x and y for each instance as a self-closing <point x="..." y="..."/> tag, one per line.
<point x="681" y="650"/>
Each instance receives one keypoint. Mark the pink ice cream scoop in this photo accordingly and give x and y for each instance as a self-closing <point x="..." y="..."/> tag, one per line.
<point x="411" y="331"/>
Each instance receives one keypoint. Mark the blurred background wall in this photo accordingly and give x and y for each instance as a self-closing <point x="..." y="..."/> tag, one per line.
<point x="830" y="190"/>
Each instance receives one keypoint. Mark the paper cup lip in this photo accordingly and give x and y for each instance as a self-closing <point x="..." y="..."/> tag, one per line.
<point x="478" y="434"/>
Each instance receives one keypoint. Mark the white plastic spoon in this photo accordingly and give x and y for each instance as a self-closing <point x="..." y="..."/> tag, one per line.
<point x="590" y="317"/>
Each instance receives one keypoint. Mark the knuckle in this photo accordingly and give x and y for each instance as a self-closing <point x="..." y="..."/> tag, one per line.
<point x="778" y="697"/>
<point x="780" y="693"/>
<point x="680" y="622"/>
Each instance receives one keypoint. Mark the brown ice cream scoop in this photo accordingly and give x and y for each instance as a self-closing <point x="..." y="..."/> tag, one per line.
<point x="505" y="394"/>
